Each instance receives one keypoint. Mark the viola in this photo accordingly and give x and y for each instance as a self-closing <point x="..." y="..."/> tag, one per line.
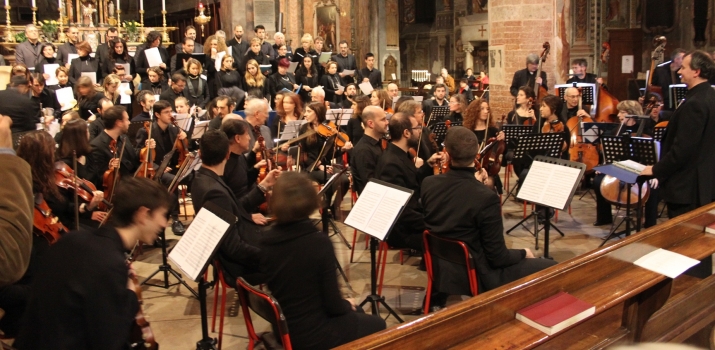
<point x="262" y="154"/>
<point x="328" y="129"/>
<point x="65" y="178"/>
<point x="44" y="223"/>
<point x="141" y="336"/>
<point x="146" y="157"/>
<point x="554" y="126"/>
<point x="488" y="157"/>
<point x="181" y="146"/>
<point x="529" y="104"/>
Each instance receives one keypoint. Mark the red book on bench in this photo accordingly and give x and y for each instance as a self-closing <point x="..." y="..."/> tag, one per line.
<point x="555" y="313"/>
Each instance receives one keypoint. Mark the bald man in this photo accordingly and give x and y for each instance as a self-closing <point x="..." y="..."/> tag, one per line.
<point x="393" y="92"/>
<point x="570" y="108"/>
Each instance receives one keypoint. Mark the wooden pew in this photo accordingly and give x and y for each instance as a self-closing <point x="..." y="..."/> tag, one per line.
<point x="632" y="304"/>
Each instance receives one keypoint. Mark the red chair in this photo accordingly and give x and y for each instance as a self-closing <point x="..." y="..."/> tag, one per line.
<point x="451" y="250"/>
<point x="265" y="306"/>
<point x="220" y="283"/>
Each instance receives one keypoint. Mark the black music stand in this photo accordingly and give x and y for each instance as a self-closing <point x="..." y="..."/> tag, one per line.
<point x="588" y="92"/>
<point x="512" y="132"/>
<point x="530" y="147"/>
<point x="437" y="113"/>
<point x="546" y="186"/>
<point x="659" y="132"/>
<point x="638" y="149"/>
<point x="440" y="131"/>
<point x="676" y="92"/>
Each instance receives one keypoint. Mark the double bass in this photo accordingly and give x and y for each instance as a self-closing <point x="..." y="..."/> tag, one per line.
<point x="607" y="111"/>
<point x="656" y="56"/>
<point x="539" y="89"/>
<point x="578" y="150"/>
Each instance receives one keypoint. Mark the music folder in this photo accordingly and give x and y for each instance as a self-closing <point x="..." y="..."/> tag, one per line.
<point x="378" y="207"/>
<point x="197" y="246"/>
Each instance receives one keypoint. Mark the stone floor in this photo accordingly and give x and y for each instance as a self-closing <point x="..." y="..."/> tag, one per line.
<point x="175" y="314"/>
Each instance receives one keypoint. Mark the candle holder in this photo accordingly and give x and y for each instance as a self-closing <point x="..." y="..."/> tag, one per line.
<point x="34" y="15"/>
<point x="164" y="34"/>
<point x="61" y="33"/>
<point x="9" y="37"/>
<point x="119" y="18"/>
<point x="142" y="34"/>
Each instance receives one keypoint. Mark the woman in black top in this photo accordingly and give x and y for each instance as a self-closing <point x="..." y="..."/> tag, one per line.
<point x="254" y="83"/>
<point x="196" y="86"/>
<point x="85" y="64"/>
<point x="299" y="261"/>
<point x="87" y="98"/>
<point x="228" y="76"/>
<point x="305" y="50"/>
<point x="307" y="76"/>
<point x="47" y="57"/>
<point x="119" y="57"/>
<point x="355" y="129"/>
<point x="213" y="46"/>
<point x="157" y="84"/>
<point x="475" y="119"/>
<point x="290" y="109"/>
<point x="525" y="108"/>
<point x="282" y="79"/>
<point x="457" y="107"/>
<point x="63" y="76"/>
<point x="331" y="83"/>
<point x="254" y="53"/>
<point x="153" y="40"/>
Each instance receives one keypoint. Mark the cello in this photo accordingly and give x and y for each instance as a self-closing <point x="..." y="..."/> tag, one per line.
<point x="581" y="152"/>
<point x="607" y="111"/>
<point x="539" y="89"/>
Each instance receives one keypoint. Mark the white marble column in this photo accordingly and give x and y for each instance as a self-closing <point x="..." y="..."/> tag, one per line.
<point x="468" y="60"/>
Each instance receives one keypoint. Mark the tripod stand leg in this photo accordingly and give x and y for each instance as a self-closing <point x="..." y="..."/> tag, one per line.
<point x="206" y="343"/>
<point x="521" y="222"/>
<point x="339" y="233"/>
<point x="374" y="299"/>
<point x="166" y="269"/>
<point x="342" y="273"/>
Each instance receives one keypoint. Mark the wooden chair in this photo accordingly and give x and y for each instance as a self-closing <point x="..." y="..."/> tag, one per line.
<point x="450" y="250"/>
<point x="265" y="306"/>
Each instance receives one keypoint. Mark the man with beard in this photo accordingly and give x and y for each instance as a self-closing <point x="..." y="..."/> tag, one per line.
<point x="238" y="45"/>
<point x="368" y="150"/>
<point x="345" y="61"/>
<point x="397" y="167"/>
<point x="190" y="33"/>
<point x="116" y="125"/>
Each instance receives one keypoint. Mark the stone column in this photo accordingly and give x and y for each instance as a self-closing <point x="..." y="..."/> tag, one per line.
<point x="468" y="60"/>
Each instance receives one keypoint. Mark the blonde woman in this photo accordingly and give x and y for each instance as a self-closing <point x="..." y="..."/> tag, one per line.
<point x="213" y="46"/>
<point x="112" y="92"/>
<point x="254" y="83"/>
<point x="306" y="49"/>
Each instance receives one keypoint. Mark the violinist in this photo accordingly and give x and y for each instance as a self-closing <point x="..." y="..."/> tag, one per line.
<point x="381" y="99"/>
<point x="321" y="167"/>
<point x="96" y="127"/>
<point x="367" y="151"/>
<point x="355" y="128"/>
<point x="116" y="126"/>
<point x="425" y="149"/>
<point x="458" y="206"/>
<point x="256" y="115"/>
<point x="398" y="167"/>
<point x="457" y="108"/>
<point x="439" y="99"/>
<point x="525" y="111"/>
<point x="146" y="100"/>
<point x="631" y="125"/>
<point x="654" y="109"/>
<point x="79" y="297"/>
<point x="476" y="117"/>
<point x="164" y="135"/>
<point x="290" y="109"/>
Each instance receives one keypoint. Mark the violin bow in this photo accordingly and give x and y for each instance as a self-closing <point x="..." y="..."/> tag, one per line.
<point x="116" y="170"/>
<point x="76" y="196"/>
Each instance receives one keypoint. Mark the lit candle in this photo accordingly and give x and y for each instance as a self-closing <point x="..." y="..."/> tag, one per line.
<point x="7" y="4"/>
<point x="118" y="6"/>
<point x="34" y="4"/>
<point x="163" y="5"/>
<point x="141" y="5"/>
<point x="59" y="4"/>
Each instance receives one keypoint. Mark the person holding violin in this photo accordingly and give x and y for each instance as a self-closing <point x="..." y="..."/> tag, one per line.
<point x="256" y="115"/>
<point x="290" y="109"/>
<point x="477" y="118"/>
<point x="399" y="167"/>
<point x="367" y="151"/>
<point x="105" y="153"/>
<point x="79" y="296"/>
<point x="164" y="137"/>
<point x="439" y="99"/>
<point x="457" y="205"/>
<point x="356" y="128"/>
<point x="527" y="76"/>
<point x="457" y="108"/>
<point x="550" y="105"/>
<point x="524" y="112"/>
<point x="631" y="125"/>
<point x="425" y="148"/>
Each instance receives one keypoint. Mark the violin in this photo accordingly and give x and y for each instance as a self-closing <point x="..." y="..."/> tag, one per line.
<point x="488" y="157"/>
<point x="529" y="104"/>
<point x="65" y="178"/>
<point x="581" y="152"/>
<point x="141" y="336"/>
<point x="262" y="154"/>
<point x="437" y="167"/>
<point x="181" y="146"/>
<point x="44" y="223"/>
<point x="554" y="126"/>
<point x="328" y="129"/>
<point x="146" y="157"/>
<point x="111" y="175"/>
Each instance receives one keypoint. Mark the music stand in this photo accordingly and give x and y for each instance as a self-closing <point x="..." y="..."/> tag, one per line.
<point x="592" y="132"/>
<point x="437" y="113"/>
<point x="551" y="183"/>
<point x="619" y="148"/>
<point x="659" y="132"/>
<point x="512" y="132"/>
<point x="588" y="93"/>
<point x="440" y="131"/>
<point x="343" y="115"/>
<point x="676" y="92"/>
<point x="529" y="147"/>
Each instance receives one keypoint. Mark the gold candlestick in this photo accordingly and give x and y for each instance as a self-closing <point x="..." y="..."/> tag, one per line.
<point x="165" y="34"/>
<point x="142" y="35"/>
<point x="61" y="35"/>
<point x="34" y="15"/>
<point x="9" y="37"/>
<point x="119" y="18"/>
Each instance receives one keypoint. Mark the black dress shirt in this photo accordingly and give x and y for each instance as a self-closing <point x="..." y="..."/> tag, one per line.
<point x="525" y="78"/>
<point x="235" y="174"/>
<point x="100" y="156"/>
<point x="363" y="161"/>
<point x="374" y="76"/>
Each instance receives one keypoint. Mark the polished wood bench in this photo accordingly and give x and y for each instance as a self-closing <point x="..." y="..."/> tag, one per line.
<point x="632" y="304"/>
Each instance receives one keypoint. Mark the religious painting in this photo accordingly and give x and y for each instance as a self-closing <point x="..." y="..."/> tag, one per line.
<point x="497" y="73"/>
<point x="327" y="25"/>
<point x="476" y="6"/>
<point x="392" y="23"/>
<point x="408" y="11"/>
<point x="615" y="13"/>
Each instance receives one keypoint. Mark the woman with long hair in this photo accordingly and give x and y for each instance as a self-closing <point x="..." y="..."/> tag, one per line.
<point x="307" y="76"/>
<point x="119" y="57"/>
<point x="85" y="64"/>
<point x="47" y="56"/>
<point x="332" y="83"/>
<point x="290" y="109"/>
<point x="228" y="76"/>
<point x="197" y="91"/>
<point x="254" y="53"/>
<point x="525" y="108"/>
<point x="306" y="288"/>
<point x="457" y="107"/>
<point x="355" y="129"/>
<point x="153" y="40"/>
<point x="254" y="83"/>
<point x="87" y="98"/>
<point x="478" y="118"/>
<point x="381" y="99"/>
<point x="214" y="45"/>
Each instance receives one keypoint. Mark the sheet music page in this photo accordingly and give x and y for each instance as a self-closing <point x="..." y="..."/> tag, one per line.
<point x="325" y="57"/>
<point x="219" y="58"/>
<point x="71" y="56"/>
<point x="184" y="121"/>
<point x="347" y="72"/>
<point x="366" y="88"/>
<point x="65" y="96"/>
<point x="50" y="70"/>
<point x="125" y="94"/>
<point x="91" y="75"/>
<point x="196" y="246"/>
<point x="292" y="67"/>
<point x="665" y="262"/>
<point x="153" y="57"/>
<point x="199" y="130"/>
<point x="377" y="209"/>
<point x="549" y="184"/>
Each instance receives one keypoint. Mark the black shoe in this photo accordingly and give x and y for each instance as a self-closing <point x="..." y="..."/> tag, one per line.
<point x="601" y="223"/>
<point x="177" y="227"/>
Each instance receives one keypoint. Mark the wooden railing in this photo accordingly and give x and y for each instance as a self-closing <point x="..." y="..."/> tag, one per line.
<point x="632" y="304"/>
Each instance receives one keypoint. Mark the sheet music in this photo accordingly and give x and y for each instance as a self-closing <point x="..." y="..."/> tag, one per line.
<point x="153" y="57"/>
<point x="198" y="243"/>
<point x="219" y="58"/>
<point x="347" y="72"/>
<point x="200" y="129"/>
<point x="91" y="75"/>
<point x="125" y="94"/>
<point x="71" y="56"/>
<point x="366" y="88"/>
<point x="293" y="66"/>
<point x="334" y="114"/>
<point x="65" y="96"/>
<point x="50" y="70"/>
<point x="325" y="57"/>
<point x="665" y="262"/>
<point x="377" y="209"/>
<point x="184" y="121"/>
<point x="549" y="184"/>
<point x="292" y="129"/>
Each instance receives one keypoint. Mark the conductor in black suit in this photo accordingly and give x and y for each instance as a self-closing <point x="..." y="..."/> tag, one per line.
<point x="238" y="252"/>
<point x="527" y="75"/>
<point x="397" y="167"/>
<point x="457" y="205"/>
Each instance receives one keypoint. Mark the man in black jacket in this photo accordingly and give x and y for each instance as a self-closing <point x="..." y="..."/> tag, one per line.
<point x="103" y="48"/>
<point x="527" y="75"/>
<point x="238" y="253"/>
<point x="370" y="74"/>
<point x="238" y="46"/>
<point x="398" y="168"/>
<point x="81" y="301"/>
<point x="368" y="150"/>
<point x="16" y="104"/>
<point x="345" y="61"/>
<point x="68" y="48"/>
<point x="116" y="125"/>
<point x="459" y="206"/>
<point x="97" y="126"/>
